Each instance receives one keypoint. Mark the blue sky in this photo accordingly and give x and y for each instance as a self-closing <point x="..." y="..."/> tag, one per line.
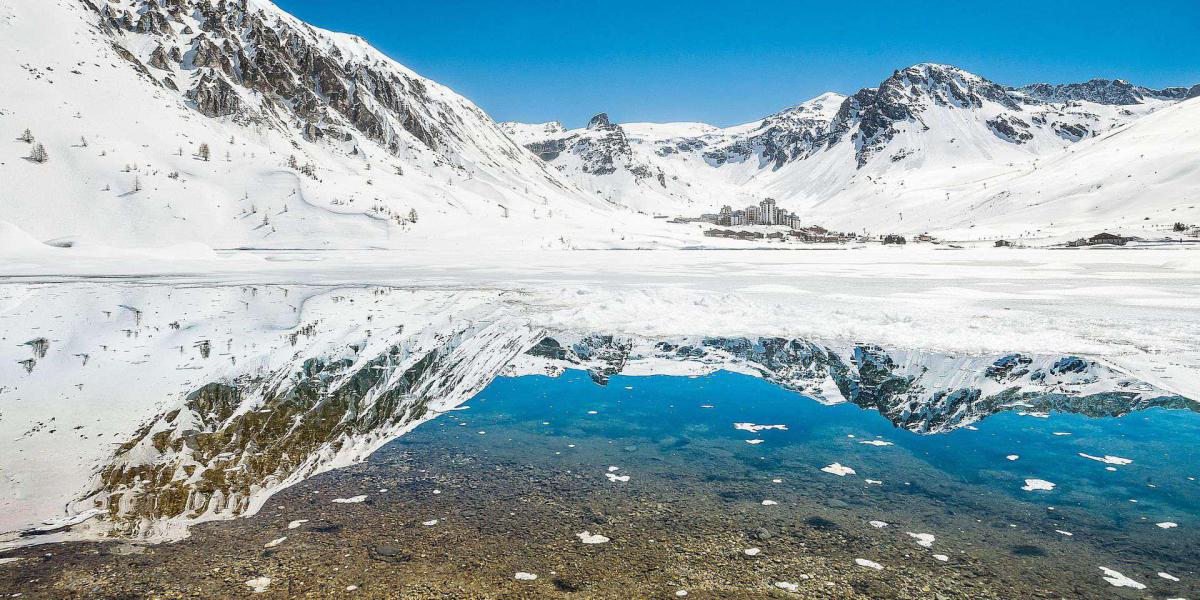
<point x="730" y="62"/>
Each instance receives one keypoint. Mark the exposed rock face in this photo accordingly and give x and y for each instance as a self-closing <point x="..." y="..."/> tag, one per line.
<point x="261" y="65"/>
<point x="1194" y="92"/>
<point x="903" y="97"/>
<point x="214" y="96"/>
<point x="1100" y="91"/>
<point x="1010" y="128"/>
<point x="600" y="149"/>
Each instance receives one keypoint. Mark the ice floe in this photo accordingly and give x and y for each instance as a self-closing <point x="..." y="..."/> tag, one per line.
<point x="259" y="584"/>
<point x="1013" y="456"/>
<point x="787" y="586"/>
<point x="275" y="542"/>
<point x="925" y="540"/>
<point x="878" y="524"/>
<point x="877" y="443"/>
<point x="523" y="576"/>
<point x="614" y="477"/>
<point x="430" y="523"/>
<point x="839" y="470"/>
<point x="751" y="551"/>
<point x="590" y="538"/>
<point x="1066" y="533"/>
<point x="1033" y="485"/>
<point x="870" y="564"/>
<point x="297" y="523"/>
<point x="1167" y="525"/>
<point x="1168" y="576"/>
<point x="350" y="500"/>
<point x="873" y="481"/>
<point x="753" y="428"/>
<point x="941" y="557"/>
<point x="1108" y="459"/>
<point x="769" y="503"/>
<point x="754" y="442"/>
<point x="1119" y="580"/>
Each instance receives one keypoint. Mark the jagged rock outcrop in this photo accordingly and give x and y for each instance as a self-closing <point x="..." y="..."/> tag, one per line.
<point x="1100" y="91"/>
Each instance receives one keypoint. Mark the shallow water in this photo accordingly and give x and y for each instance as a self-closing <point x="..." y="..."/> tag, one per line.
<point x="508" y="484"/>
<point x="961" y="486"/>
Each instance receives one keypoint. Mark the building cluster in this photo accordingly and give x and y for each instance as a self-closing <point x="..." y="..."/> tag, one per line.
<point x="1101" y="238"/>
<point x="764" y="213"/>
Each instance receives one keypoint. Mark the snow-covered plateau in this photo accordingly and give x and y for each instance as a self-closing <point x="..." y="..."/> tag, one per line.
<point x="237" y="251"/>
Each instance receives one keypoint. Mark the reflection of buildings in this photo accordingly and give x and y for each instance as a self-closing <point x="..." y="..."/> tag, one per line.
<point x="765" y="213"/>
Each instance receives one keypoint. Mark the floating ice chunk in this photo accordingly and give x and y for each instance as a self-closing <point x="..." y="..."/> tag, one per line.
<point x="297" y="523"/>
<point x="681" y="593"/>
<point x="614" y="477"/>
<point x="275" y="542"/>
<point x="754" y="442"/>
<point x="611" y="469"/>
<point x="1060" y="433"/>
<point x="751" y="551"/>
<point x="870" y="564"/>
<point x="590" y="538"/>
<point x="941" y="557"/>
<point x="436" y="492"/>
<point x="351" y="588"/>
<point x="1110" y="468"/>
<point x="1013" y="456"/>
<point x="1168" y="576"/>
<point x="925" y="540"/>
<point x="1119" y="580"/>
<point x="706" y="406"/>
<point x="1167" y="525"/>
<point x="877" y="443"/>
<point x="753" y="428"/>
<point x="1066" y="533"/>
<point x="873" y="481"/>
<point x="787" y="586"/>
<point x="351" y="500"/>
<point x="1108" y="459"/>
<point x="769" y="503"/>
<point x="259" y="584"/>
<point x="1032" y="485"/>
<point x="878" y="524"/>
<point x="972" y="428"/>
<point x="523" y="576"/>
<point x="430" y="523"/>
<point x="776" y="481"/>
<point x="1039" y="415"/>
<point x="839" y="470"/>
<point x="593" y="412"/>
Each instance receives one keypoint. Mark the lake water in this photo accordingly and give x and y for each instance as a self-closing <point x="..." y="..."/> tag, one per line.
<point x="534" y="466"/>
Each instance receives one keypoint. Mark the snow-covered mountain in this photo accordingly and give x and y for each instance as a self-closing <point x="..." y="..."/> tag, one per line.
<point x="231" y="123"/>
<point x="913" y="154"/>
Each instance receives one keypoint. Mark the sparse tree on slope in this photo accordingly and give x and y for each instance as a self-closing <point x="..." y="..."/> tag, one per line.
<point x="412" y="215"/>
<point x="26" y="137"/>
<point x="38" y="154"/>
<point x="204" y="152"/>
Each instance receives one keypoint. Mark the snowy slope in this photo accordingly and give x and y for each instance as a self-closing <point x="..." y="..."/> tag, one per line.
<point x="122" y="96"/>
<point x="914" y="154"/>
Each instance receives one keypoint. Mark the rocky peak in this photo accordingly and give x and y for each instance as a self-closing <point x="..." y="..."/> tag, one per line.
<point x="600" y="122"/>
<point x="1101" y="91"/>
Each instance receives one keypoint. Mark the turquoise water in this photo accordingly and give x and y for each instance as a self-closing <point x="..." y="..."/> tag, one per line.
<point x="678" y="433"/>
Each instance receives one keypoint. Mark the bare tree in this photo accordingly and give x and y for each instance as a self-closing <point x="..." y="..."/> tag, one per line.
<point x="26" y="137"/>
<point x="83" y="141"/>
<point x="412" y="215"/>
<point x="204" y="152"/>
<point x="137" y="183"/>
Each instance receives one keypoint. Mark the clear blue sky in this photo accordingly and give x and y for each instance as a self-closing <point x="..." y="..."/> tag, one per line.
<point x="728" y="62"/>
